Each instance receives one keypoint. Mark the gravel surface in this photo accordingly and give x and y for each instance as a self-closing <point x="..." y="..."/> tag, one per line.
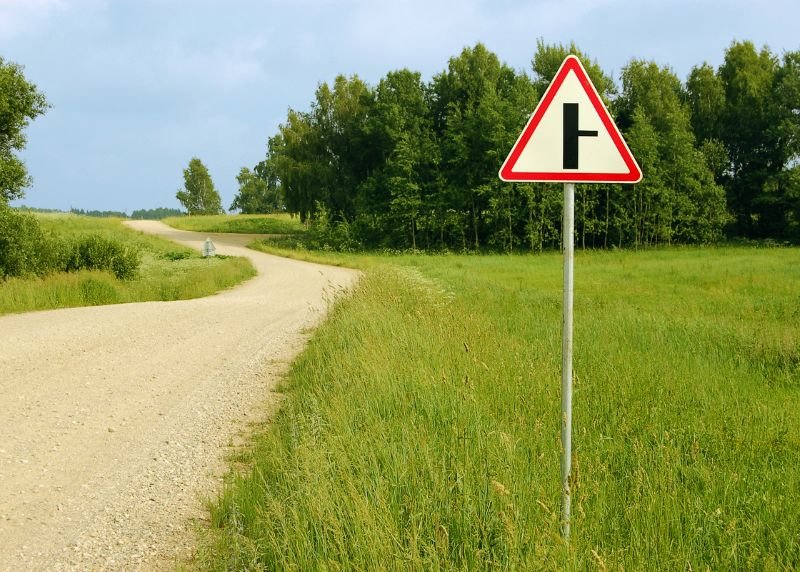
<point x="117" y="419"/>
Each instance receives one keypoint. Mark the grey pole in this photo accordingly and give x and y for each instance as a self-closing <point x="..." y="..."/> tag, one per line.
<point x="566" y="356"/>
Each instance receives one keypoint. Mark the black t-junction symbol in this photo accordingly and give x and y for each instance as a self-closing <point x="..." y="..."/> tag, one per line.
<point x="571" y="135"/>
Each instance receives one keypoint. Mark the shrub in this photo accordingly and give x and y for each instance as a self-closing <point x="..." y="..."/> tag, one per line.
<point x="24" y="248"/>
<point x="174" y="255"/>
<point x="326" y="233"/>
<point x="95" y="252"/>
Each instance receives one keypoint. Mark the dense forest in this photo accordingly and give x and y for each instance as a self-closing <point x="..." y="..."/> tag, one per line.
<point x="413" y="164"/>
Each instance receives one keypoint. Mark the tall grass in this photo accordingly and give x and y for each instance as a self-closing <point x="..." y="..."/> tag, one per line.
<point x="421" y="428"/>
<point x="247" y="224"/>
<point x="168" y="271"/>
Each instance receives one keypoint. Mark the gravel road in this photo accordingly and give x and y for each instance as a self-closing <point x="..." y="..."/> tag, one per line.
<point x="116" y="419"/>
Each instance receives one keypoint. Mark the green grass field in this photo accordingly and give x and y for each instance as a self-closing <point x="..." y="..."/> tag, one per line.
<point x="247" y="224"/>
<point x="168" y="272"/>
<point x="421" y="425"/>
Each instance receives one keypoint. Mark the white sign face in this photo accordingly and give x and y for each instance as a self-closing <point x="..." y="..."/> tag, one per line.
<point x="208" y="248"/>
<point x="571" y="137"/>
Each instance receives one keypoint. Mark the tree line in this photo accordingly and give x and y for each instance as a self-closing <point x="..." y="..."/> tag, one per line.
<point x="413" y="164"/>
<point x="147" y="214"/>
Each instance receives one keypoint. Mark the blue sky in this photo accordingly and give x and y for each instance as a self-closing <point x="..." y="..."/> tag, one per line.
<point x="138" y="87"/>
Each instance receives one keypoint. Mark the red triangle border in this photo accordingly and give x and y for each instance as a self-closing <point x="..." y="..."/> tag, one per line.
<point x="570" y="64"/>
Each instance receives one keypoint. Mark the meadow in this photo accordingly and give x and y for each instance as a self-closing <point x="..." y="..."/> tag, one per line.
<point x="420" y="427"/>
<point x="167" y="271"/>
<point x="247" y="224"/>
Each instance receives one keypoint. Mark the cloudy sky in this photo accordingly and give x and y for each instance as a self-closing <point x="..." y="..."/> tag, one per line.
<point x="139" y="87"/>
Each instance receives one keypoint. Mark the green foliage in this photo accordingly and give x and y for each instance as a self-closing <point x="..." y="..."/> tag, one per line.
<point x="427" y="439"/>
<point x="678" y="200"/>
<point x="413" y="165"/>
<point x="480" y="105"/>
<point x="199" y="197"/>
<point x="394" y="195"/>
<point x="257" y="193"/>
<point x="97" y="291"/>
<point x="20" y="103"/>
<point x="548" y="59"/>
<point x="155" y="214"/>
<point x="99" y="214"/>
<point x="705" y="94"/>
<point x="750" y="108"/>
<point x="325" y="233"/>
<point x="24" y="249"/>
<point x="176" y="255"/>
<point x="293" y="157"/>
<point x="246" y="224"/>
<point x="94" y="252"/>
<point x="166" y="271"/>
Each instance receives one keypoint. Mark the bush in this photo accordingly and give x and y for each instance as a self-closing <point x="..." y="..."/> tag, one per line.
<point x="175" y="255"/>
<point x="326" y="233"/>
<point x="24" y="248"/>
<point x="95" y="252"/>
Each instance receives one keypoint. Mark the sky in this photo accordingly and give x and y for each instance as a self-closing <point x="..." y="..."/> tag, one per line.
<point x="139" y="87"/>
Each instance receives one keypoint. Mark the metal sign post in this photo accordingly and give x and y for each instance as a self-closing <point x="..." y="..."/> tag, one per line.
<point x="570" y="138"/>
<point x="566" y="355"/>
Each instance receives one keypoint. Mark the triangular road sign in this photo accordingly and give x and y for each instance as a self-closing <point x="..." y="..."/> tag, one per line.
<point x="571" y="138"/>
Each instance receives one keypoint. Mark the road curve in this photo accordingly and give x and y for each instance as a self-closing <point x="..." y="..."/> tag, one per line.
<point x="116" y="419"/>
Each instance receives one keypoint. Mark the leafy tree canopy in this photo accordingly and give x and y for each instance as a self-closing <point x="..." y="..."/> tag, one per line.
<point x="548" y="59"/>
<point x="199" y="197"/>
<point x="750" y="109"/>
<point x="258" y="192"/>
<point x="410" y="163"/>
<point x="20" y="102"/>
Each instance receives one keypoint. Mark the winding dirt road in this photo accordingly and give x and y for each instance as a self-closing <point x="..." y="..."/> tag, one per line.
<point x="116" y="419"/>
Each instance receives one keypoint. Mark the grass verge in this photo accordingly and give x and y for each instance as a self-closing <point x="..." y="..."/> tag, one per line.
<point x="168" y="272"/>
<point x="428" y="439"/>
<point x="246" y="224"/>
